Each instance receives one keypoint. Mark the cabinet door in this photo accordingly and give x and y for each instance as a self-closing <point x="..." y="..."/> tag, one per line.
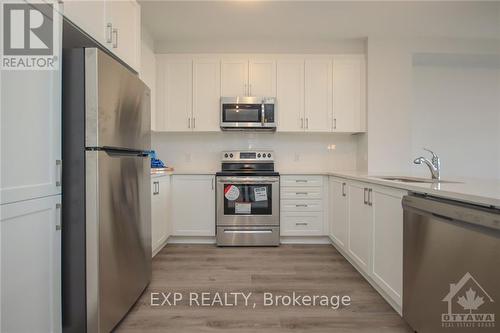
<point x="30" y="264"/>
<point x="160" y="187"/>
<point x="388" y="240"/>
<point x="90" y="17"/>
<point x="262" y="78"/>
<point x="360" y="227"/>
<point x="193" y="205"/>
<point x="290" y="95"/>
<point x="125" y="16"/>
<point x="234" y="77"/>
<point x="177" y="93"/>
<point x="349" y="110"/>
<point x="318" y="95"/>
<point x="338" y="212"/>
<point x="30" y="135"/>
<point x="206" y="95"/>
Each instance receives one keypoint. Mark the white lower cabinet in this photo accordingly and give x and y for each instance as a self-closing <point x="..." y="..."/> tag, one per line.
<point x="366" y="223"/>
<point x="160" y="204"/>
<point x="30" y="266"/>
<point x="339" y="214"/>
<point x="387" y="267"/>
<point x="193" y="205"/>
<point x="360" y="226"/>
<point x="301" y="206"/>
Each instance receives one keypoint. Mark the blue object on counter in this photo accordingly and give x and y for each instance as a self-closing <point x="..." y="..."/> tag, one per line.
<point x="155" y="162"/>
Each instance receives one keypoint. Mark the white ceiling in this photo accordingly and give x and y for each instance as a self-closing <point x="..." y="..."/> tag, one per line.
<point x="174" y="22"/>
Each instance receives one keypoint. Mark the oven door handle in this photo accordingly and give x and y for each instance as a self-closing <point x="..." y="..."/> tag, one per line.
<point x="246" y="231"/>
<point x="247" y="180"/>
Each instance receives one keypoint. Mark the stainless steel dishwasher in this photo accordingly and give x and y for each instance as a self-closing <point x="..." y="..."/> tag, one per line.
<point x="451" y="268"/>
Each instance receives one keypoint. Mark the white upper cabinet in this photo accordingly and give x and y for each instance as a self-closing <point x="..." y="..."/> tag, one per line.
<point x="206" y="94"/>
<point x="318" y="94"/>
<point x="234" y="77"/>
<point x="90" y="16"/>
<point x="116" y="24"/>
<point x="124" y="20"/>
<point x="262" y="78"/>
<point x="290" y="95"/>
<point x="349" y="86"/>
<point x="30" y="135"/>
<point x="244" y="77"/>
<point x="314" y="93"/>
<point x="176" y="90"/>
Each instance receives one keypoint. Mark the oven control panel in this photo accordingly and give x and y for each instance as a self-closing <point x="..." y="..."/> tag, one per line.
<point x="248" y="155"/>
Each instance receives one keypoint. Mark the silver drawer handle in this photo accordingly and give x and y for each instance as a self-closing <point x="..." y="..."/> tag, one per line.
<point x="58" y="173"/>
<point x="301" y="205"/>
<point x="301" y="223"/>
<point x="301" y="181"/>
<point x="301" y="193"/>
<point x="267" y="231"/>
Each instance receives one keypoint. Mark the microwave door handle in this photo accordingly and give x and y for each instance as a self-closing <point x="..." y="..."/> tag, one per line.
<point x="262" y="113"/>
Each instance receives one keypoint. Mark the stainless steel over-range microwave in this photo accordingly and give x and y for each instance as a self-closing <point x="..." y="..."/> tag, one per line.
<point x="248" y="113"/>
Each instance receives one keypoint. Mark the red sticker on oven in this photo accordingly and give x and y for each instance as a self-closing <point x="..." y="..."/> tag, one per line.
<point x="231" y="192"/>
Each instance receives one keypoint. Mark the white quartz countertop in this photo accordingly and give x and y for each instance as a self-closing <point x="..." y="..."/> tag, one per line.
<point x="476" y="191"/>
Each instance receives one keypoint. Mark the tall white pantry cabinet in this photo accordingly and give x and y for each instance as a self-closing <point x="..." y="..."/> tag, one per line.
<point x="30" y="197"/>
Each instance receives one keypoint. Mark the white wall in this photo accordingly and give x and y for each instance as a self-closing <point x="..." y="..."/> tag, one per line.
<point x="389" y="100"/>
<point x="456" y="111"/>
<point x="394" y="85"/>
<point x="293" y="152"/>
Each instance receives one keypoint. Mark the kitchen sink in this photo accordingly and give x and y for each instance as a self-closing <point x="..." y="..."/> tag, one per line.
<point x="405" y="179"/>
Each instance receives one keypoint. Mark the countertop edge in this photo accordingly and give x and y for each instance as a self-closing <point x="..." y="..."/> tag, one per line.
<point x="363" y="177"/>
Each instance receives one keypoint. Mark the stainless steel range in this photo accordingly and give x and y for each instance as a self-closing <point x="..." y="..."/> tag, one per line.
<point x="247" y="192"/>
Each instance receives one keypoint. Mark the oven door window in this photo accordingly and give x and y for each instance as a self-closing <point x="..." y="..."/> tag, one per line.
<point x="248" y="199"/>
<point x="241" y="113"/>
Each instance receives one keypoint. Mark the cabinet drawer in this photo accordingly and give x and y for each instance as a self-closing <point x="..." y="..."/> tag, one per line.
<point x="302" y="224"/>
<point x="301" y="205"/>
<point x="301" y="181"/>
<point x="301" y="193"/>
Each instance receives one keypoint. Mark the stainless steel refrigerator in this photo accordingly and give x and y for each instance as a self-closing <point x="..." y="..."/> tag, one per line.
<point x="106" y="235"/>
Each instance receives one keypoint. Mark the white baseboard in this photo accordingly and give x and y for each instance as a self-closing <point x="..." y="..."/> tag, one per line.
<point x="159" y="247"/>
<point x="283" y="240"/>
<point x="191" y="240"/>
<point x="312" y="240"/>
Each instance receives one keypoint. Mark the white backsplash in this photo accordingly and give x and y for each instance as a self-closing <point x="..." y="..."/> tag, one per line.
<point x="294" y="152"/>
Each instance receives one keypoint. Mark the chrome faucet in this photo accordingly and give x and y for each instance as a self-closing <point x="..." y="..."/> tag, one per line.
<point x="434" y="165"/>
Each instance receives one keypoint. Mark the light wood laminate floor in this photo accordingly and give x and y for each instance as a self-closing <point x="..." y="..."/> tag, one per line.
<point x="305" y="269"/>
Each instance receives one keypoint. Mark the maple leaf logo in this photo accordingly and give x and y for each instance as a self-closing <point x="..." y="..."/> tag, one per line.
<point x="470" y="301"/>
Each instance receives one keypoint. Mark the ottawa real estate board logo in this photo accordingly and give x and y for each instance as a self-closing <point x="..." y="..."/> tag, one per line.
<point x="30" y="35"/>
<point x="469" y="305"/>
